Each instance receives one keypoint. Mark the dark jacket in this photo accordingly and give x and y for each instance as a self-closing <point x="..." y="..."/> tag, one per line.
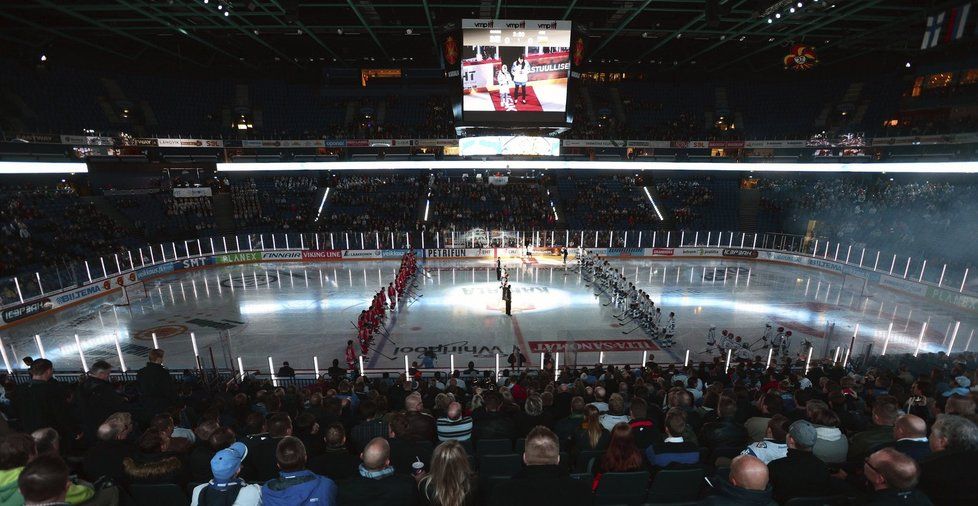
<point x="297" y="488"/>
<point x="724" y="433"/>
<point x="199" y="463"/>
<point x="157" y="391"/>
<point x="421" y="427"/>
<point x="917" y="450"/>
<point x="261" y="465"/>
<point x="493" y="425"/>
<point x="949" y="477"/>
<point x="890" y="497"/>
<point x="105" y="459"/>
<point x="98" y="400"/>
<point x="337" y="464"/>
<point x="725" y="494"/>
<point x="40" y="404"/>
<point x="646" y="433"/>
<point x="393" y="490"/>
<point x="665" y="453"/>
<point x="536" y="485"/>
<point x="404" y="453"/>
<point x="800" y="474"/>
<point x="861" y="443"/>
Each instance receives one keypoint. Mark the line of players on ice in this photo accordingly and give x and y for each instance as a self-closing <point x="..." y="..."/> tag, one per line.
<point x="369" y="321"/>
<point x="638" y="307"/>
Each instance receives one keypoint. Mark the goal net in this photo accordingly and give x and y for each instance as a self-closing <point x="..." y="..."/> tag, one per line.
<point x="129" y="294"/>
<point x="857" y="285"/>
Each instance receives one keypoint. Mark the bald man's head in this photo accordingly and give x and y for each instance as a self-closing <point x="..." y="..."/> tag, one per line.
<point x="376" y="455"/>
<point x="454" y="411"/>
<point x="748" y="472"/>
<point x="413" y="402"/>
<point x="889" y="468"/>
<point x="909" y="426"/>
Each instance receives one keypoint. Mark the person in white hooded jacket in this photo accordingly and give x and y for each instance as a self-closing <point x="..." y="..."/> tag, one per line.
<point x="521" y="74"/>
<point x="831" y="447"/>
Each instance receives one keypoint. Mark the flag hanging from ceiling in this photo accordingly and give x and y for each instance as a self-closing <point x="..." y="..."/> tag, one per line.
<point x="946" y="26"/>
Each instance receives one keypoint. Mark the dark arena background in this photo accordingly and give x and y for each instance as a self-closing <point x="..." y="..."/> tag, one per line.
<point x="488" y="252"/>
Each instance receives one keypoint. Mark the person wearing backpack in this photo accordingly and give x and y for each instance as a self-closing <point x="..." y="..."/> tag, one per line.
<point x="227" y="489"/>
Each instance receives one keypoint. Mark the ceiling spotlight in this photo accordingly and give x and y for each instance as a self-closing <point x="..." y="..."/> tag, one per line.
<point x="409" y="31"/>
<point x="679" y="35"/>
<point x="44" y="57"/>
<point x="799" y="5"/>
<point x="339" y="31"/>
<point x="206" y="2"/>
<point x="226" y="13"/>
<point x="220" y="7"/>
<point x="769" y="21"/>
<point x="908" y="65"/>
<point x="777" y="16"/>
<point x="791" y="10"/>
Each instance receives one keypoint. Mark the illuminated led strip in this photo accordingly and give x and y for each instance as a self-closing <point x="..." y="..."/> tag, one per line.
<point x="42" y="168"/>
<point x="893" y="168"/>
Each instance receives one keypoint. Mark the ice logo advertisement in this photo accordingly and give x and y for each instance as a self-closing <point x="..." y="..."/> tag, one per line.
<point x="514" y="66"/>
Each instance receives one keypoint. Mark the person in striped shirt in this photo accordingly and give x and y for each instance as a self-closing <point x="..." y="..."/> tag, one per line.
<point x="454" y="426"/>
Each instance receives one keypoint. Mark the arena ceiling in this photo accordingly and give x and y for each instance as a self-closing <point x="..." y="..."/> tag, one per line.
<point x="262" y="35"/>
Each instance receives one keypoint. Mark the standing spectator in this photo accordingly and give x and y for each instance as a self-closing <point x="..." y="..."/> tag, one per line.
<point x="454" y="426"/>
<point x="746" y="486"/>
<point x="947" y="475"/>
<point x="157" y="391"/>
<point x="286" y="371"/>
<point x="226" y="488"/>
<point x="451" y="481"/>
<point x="893" y="476"/>
<point x="98" y="399"/>
<point x="295" y="484"/>
<point x="376" y="484"/>
<point x="541" y="481"/>
<point x="41" y="403"/>
<point x="800" y="473"/>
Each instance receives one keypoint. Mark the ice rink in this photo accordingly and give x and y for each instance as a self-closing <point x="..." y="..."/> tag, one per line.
<point x="296" y="311"/>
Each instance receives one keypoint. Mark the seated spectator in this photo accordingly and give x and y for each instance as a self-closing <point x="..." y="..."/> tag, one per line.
<point x="674" y="449"/>
<point x="44" y="482"/>
<point x="910" y="434"/>
<point x="454" y="426"/>
<point x="947" y="475"/>
<point x="725" y="432"/>
<point x="405" y="452"/>
<point x="800" y="473"/>
<point x="264" y="446"/>
<point x="768" y="405"/>
<point x="227" y="487"/>
<point x="591" y="435"/>
<point x="16" y="451"/>
<point x="885" y="413"/>
<point x="645" y="430"/>
<point x="199" y="459"/>
<point x="774" y="446"/>
<point x="46" y="441"/>
<point x="616" y="412"/>
<point x="963" y="405"/>
<point x="450" y="481"/>
<point x="113" y="447"/>
<point x="541" y="481"/>
<point x="747" y="484"/>
<point x="599" y="396"/>
<point x="566" y="428"/>
<point x="295" y="484"/>
<point x="336" y="462"/>
<point x="152" y="464"/>
<point x="961" y="386"/>
<point x="420" y="425"/>
<point x="832" y="447"/>
<point x="893" y="476"/>
<point x="489" y="422"/>
<point x="376" y="483"/>
<point x="622" y="455"/>
<point x="373" y="424"/>
<point x="531" y="416"/>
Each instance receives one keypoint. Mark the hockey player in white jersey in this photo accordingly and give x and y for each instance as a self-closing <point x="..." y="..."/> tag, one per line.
<point x="669" y="332"/>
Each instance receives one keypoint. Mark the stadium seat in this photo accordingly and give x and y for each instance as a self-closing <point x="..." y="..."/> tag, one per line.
<point x="499" y="465"/>
<point x="676" y="484"/>
<point x="494" y="447"/>
<point x="157" y="495"/>
<point x="828" y="500"/>
<point x="584" y="458"/>
<point x="622" y="488"/>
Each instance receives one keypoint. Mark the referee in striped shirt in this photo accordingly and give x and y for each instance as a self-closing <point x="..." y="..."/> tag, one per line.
<point x="455" y="426"/>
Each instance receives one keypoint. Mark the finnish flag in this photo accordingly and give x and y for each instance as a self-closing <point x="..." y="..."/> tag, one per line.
<point x="933" y="32"/>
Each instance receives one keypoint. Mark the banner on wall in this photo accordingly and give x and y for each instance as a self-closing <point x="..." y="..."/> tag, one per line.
<point x="183" y="193"/>
<point x="190" y="143"/>
<point x="326" y="254"/>
<point x="26" y="310"/>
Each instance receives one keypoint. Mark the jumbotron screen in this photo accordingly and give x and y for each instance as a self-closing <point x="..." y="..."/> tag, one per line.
<point x="515" y="71"/>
